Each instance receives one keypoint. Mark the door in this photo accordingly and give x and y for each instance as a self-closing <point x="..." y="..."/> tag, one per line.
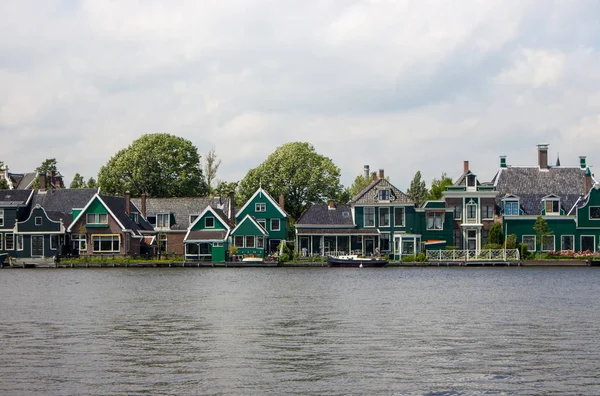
<point x="37" y="246"/>
<point x="369" y="246"/>
<point x="472" y="239"/>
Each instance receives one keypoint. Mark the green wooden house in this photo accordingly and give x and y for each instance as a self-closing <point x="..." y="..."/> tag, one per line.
<point x="207" y="238"/>
<point x="270" y="215"/>
<point x="14" y="206"/>
<point x="249" y="237"/>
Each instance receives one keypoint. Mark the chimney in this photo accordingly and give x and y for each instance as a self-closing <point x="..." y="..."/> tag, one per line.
<point x="331" y="204"/>
<point x="127" y="202"/>
<point x="373" y="176"/>
<point x="381" y="174"/>
<point x="542" y="156"/>
<point x="465" y="166"/>
<point x="582" y="163"/>
<point x="42" y="177"/>
<point x="143" y="208"/>
<point x="503" y="161"/>
<point x="281" y="201"/>
<point x="366" y="171"/>
<point x="588" y="180"/>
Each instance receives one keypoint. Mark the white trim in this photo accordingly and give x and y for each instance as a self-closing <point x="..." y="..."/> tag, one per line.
<point x="211" y="210"/>
<point x="116" y="219"/>
<point x="271" y="224"/>
<point x="19" y="236"/>
<point x="365" y="217"/>
<point x="256" y="224"/>
<point x="534" y="242"/>
<point x="260" y="205"/>
<point x="581" y="242"/>
<point x="92" y="237"/>
<point x="205" y="223"/>
<point x="572" y="242"/>
<point x="403" y="216"/>
<point x="553" y="243"/>
<point x="389" y="216"/>
<point x="62" y="227"/>
<point x="1" y="217"/>
<point x="590" y="213"/>
<point x="260" y="190"/>
<point x="43" y="247"/>
<point x="13" y="241"/>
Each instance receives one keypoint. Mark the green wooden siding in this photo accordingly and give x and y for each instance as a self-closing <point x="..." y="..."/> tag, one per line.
<point x="583" y="214"/>
<point x="271" y="212"/>
<point x="248" y="228"/>
<point x="96" y="207"/>
<point x="200" y="224"/>
<point x="218" y="253"/>
<point x="46" y="226"/>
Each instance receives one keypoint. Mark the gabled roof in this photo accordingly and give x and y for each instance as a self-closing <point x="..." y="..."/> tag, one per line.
<point x="22" y="181"/>
<point x="254" y="222"/>
<point x="269" y="198"/>
<point x="369" y="194"/>
<point x="59" y="204"/>
<point x="15" y="197"/>
<point x="210" y="234"/>
<point x="321" y="215"/>
<point x="461" y="180"/>
<point x="182" y="208"/>
<point x="531" y="185"/>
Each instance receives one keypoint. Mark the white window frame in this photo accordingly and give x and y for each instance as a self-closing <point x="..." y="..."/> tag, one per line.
<point x="484" y="214"/>
<point x="534" y="242"/>
<point x="1" y="219"/>
<point x="511" y="203"/>
<point x="273" y="222"/>
<point x="193" y="218"/>
<point x="553" y="200"/>
<point x="100" y="237"/>
<point x="589" y="213"/>
<point x="433" y="224"/>
<point x="19" y="243"/>
<point x="206" y="222"/>
<point x="163" y="242"/>
<point x="160" y="220"/>
<point x="1" y="241"/>
<point x="469" y="206"/>
<point x="562" y="247"/>
<point x="135" y="217"/>
<point x="543" y="249"/>
<point x="581" y="242"/>
<point x="369" y="215"/>
<point x="96" y="218"/>
<point x="239" y="245"/>
<point x="457" y="211"/>
<point x="403" y="217"/>
<point x="6" y="235"/>
<point x="53" y="242"/>
<point x="260" y="242"/>
<point x="262" y="223"/>
<point x="248" y="245"/>
<point x="381" y="195"/>
<point x="381" y="216"/>
<point x="260" y="207"/>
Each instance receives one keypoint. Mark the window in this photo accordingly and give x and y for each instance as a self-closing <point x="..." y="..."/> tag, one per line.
<point x="53" y="242"/>
<point x="384" y="195"/>
<point x="238" y="241"/>
<point x="529" y="240"/>
<point x="346" y="214"/>
<point x="566" y="242"/>
<point x="260" y="207"/>
<point x="1" y="240"/>
<point x="1" y="218"/>
<point x="135" y="217"/>
<point x="548" y="243"/>
<point x="458" y="238"/>
<point x="399" y="217"/>
<point x="9" y="241"/>
<point x="218" y="244"/>
<point x="93" y="218"/>
<point x="19" y="242"/>
<point x="435" y="220"/>
<point x="260" y="242"/>
<point x="552" y="207"/>
<point x="275" y="225"/>
<point x="262" y="223"/>
<point x="249" y="241"/>
<point x="106" y="243"/>
<point x="384" y="241"/>
<point x="152" y="220"/>
<point x="588" y="242"/>
<point x="369" y="217"/>
<point x="209" y="222"/>
<point x="38" y="221"/>
<point x="163" y="242"/>
<point x="471" y="181"/>
<point x="457" y="211"/>
<point x="163" y="220"/>
<point x="487" y="212"/>
<point x="484" y="237"/>
<point x="471" y="213"/>
<point x="384" y="217"/>
<point x="79" y="242"/>
<point x="193" y="218"/>
<point x="594" y="212"/>
<point x="511" y="208"/>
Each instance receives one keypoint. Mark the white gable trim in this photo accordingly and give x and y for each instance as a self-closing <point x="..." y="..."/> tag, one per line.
<point x="123" y="229"/>
<point x="211" y="210"/>
<point x="62" y="227"/>
<point x="259" y="191"/>
<point x="248" y="217"/>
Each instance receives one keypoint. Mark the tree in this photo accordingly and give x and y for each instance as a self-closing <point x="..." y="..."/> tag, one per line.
<point x="211" y="166"/>
<point x="3" y="183"/>
<point x="160" y="165"/>
<point x="298" y="172"/>
<point x="50" y="168"/>
<point x="92" y="183"/>
<point x="542" y="231"/>
<point x="495" y="234"/>
<point x="78" y="182"/>
<point x="417" y="190"/>
<point x="438" y="186"/>
<point x="359" y="184"/>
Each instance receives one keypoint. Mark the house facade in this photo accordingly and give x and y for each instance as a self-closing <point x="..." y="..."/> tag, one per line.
<point x="207" y="238"/>
<point x="15" y="205"/>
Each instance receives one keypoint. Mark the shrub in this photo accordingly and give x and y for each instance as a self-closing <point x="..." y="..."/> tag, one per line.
<point x="421" y="257"/>
<point x="495" y="235"/>
<point x="511" y="241"/>
<point x="493" y="246"/>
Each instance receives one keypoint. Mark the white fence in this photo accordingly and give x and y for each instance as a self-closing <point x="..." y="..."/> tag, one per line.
<point x="474" y="255"/>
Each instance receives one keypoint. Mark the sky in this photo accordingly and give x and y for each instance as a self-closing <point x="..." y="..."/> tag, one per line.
<point x="398" y="85"/>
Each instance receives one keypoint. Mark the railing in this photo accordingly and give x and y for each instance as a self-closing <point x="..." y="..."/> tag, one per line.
<point x="474" y="255"/>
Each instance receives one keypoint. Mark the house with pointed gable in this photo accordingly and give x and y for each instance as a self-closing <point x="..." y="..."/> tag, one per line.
<point x="250" y="238"/>
<point x="561" y="195"/>
<point x="207" y="238"/>
<point x="14" y="206"/>
<point x="110" y="225"/>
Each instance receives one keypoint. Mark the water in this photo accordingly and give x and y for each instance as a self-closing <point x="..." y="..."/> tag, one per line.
<point x="433" y="331"/>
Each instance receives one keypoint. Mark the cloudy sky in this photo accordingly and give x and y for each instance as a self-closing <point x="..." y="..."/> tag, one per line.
<point x="399" y="85"/>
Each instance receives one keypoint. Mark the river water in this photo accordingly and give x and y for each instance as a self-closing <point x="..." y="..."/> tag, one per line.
<point x="435" y="331"/>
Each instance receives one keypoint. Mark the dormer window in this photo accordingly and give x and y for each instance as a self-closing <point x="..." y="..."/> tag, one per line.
<point x="511" y="208"/>
<point x="552" y="206"/>
<point x="471" y="181"/>
<point x="163" y="220"/>
<point x="193" y="218"/>
<point x="384" y="195"/>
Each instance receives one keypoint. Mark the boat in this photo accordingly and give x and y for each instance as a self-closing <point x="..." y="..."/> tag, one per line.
<point x="353" y="260"/>
<point x="250" y="258"/>
<point x="3" y="259"/>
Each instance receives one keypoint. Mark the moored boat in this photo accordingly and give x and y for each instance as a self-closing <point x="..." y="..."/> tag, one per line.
<point x="355" y="261"/>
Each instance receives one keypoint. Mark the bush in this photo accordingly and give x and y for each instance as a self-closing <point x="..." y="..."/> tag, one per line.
<point x="452" y="248"/>
<point x="524" y="251"/>
<point x="511" y="241"/>
<point x="421" y="257"/>
<point x="493" y="246"/>
<point x="495" y="235"/>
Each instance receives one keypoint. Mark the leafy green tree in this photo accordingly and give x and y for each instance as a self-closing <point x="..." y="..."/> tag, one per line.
<point x="542" y="231"/>
<point x="92" y="183"/>
<point x="438" y="186"/>
<point x="50" y="168"/>
<point x="78" y="182"/>
<point x="160" y="165"/>
<point x="211" y="166"/>
<point x="3" y="183"/>
<point x="417" y="190"/>
<point x="495" y="234"/>
<point x="224" y="188"/>
<point x="298" y="172"/>
<point x="359" y="184"/>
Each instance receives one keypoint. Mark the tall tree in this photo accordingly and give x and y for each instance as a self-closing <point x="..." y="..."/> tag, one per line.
<point x="359" y="184"/>
<point x="92" y="183"/>
<point x="211" y="166"/>
<point x="298" y="172"/>
<point x="417" y="190"/>
<point x="78" y="182"/>
<point x="160" y="165"/>
<point x="438" y="186"/>
<point x="50" y="168"/>
<point x="542" y="231"/>
<point x="3" y="183"/>
<point x="495" y="234"/>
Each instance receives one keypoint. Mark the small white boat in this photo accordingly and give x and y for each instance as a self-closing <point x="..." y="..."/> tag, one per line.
<point x="253" y="259"/>
<point x="355" y="261"/>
